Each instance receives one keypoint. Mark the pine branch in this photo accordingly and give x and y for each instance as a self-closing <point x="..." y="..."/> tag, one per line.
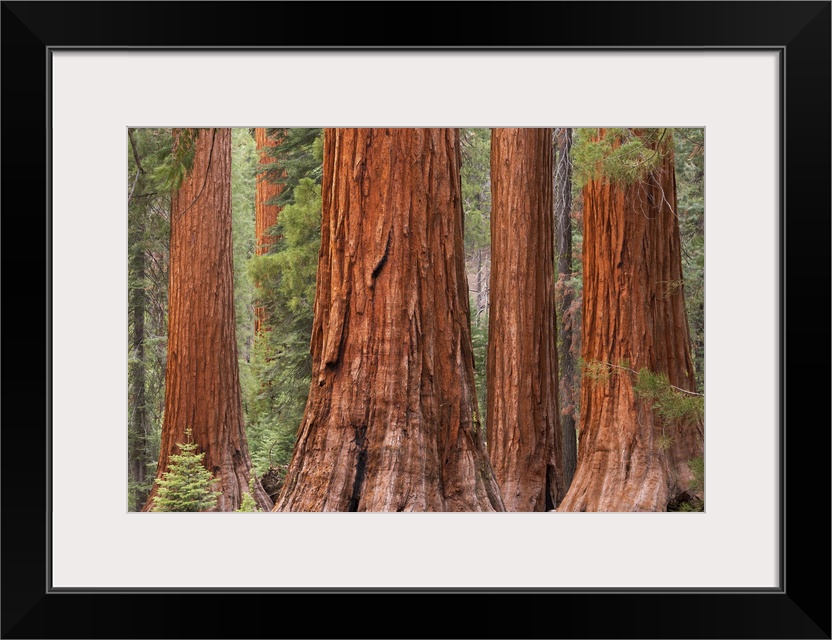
<point x="207" y="173"/>
<point x="679" y="389"/>
<point x="135" y="150"/>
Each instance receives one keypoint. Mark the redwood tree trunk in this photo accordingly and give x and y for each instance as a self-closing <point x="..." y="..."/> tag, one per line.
<point x="265" y="214"/>
<point x="565" y="300"/>
<point x="391" y="423"/>
<point x="634" y="317"/>
<point x="524" y="439"/>
<point x="202" y="386"/>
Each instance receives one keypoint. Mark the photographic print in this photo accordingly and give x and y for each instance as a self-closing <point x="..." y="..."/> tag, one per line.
<point x="416" y="320"/>
<point x="91" y="84"/>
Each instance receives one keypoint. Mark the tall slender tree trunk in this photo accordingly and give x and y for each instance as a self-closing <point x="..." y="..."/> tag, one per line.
<point x="265" y="214"/>
<point x="202" y="386"/>
<point x="137" y="304"/>
<point x="139" y="423"/>
<point x="480" y="285"/>
<point x="634" y="317"/>
<point x="524" y="440"/>
<point x="483" y="281"/>
<point x="391" y="423"/>
<point x="564" y="295"/>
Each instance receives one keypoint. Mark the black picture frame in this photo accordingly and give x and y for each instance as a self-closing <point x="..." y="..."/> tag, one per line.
<point x="800" y="608"/>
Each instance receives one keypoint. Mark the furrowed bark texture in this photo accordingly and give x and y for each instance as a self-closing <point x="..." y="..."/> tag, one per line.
<point x="391" y="423"/>
<point x="565" y="301"/>
<point x="202" y="386"/>
<point x="265" y="215"/>
<point x="524" y="438"/>
<point x="633" y="313"/>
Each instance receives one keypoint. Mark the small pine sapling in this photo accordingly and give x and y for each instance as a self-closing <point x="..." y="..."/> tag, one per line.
<point x="248" y="504"/>
<point x="187" y="484"/>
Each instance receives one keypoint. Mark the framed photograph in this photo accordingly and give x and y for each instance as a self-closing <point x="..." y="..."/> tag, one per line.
<point x="755" y="76"/>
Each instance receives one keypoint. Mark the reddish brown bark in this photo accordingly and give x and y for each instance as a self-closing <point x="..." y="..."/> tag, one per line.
<point x="524" y="439"/>
<point x="202" y="387"/>
<point x="265" y="214"/>
<point x="634" y="316"/>
<point x="391" y="423"/>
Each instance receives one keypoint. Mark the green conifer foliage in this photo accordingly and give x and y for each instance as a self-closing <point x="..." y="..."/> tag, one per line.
<point x="299" y="155"/>
<point x="248" y="504"/>
<point x="243" y="167"/>
<point x="281" y="363"/>
<point x="187" y="485"/>
<point x="148" y="214"/>
<point x="475" y="173"/>
<point x="620" y="155"/>
<point x="690" y="180"/>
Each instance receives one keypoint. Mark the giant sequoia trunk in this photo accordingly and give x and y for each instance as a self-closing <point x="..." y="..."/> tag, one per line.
<point x="524" y="438"/>
<point x="634" y="318"/>
<point x="391" y="423"/>
<point x="265" y="213"/>
<point x="202" y="386"/>
<point x="565" y="301"/>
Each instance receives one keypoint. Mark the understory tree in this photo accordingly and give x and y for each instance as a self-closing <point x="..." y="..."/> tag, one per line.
<point x="187" y="485"/>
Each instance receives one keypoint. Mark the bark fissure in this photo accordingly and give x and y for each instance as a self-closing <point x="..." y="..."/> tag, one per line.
<point x="383" y="260"/>
<point x="360" y="466"/>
